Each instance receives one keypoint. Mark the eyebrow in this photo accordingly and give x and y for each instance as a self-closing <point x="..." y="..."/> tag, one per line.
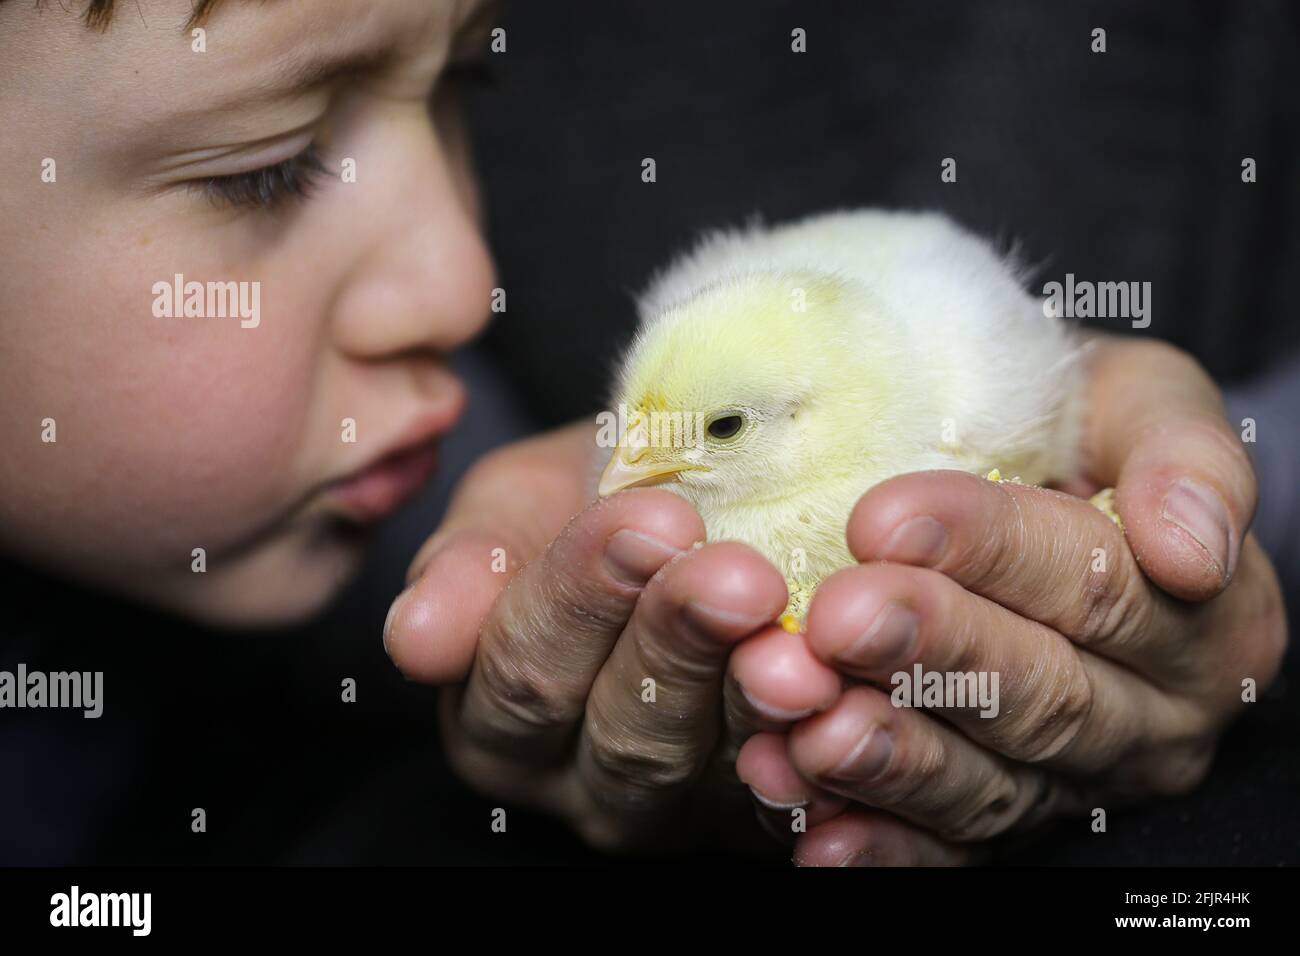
<point x="310" y="72"/>
<point x="304" y="74"/>
<point x="316" y="70"/>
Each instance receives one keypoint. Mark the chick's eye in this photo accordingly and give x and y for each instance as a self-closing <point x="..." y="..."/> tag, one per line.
<point x="728" y="426"/>
<point x="270" y="186"/>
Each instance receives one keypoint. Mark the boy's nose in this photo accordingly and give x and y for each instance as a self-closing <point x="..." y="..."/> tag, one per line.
<point x="426" y="284"/>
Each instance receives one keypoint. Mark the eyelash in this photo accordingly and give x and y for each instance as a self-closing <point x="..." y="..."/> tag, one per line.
<point x="270" y="187"/>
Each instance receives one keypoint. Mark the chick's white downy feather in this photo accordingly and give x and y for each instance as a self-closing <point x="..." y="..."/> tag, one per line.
<point x="780" y="372"/>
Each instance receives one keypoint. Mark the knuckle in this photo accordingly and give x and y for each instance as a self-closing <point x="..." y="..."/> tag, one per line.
<point x="576" y="602"/>
<point x="915" y="772"/>
<point x="983" y="817"/>
<point x="674" y="660"/>
<point x="1052" y="729"/>
<point x="1111" y="608"/>
<point x="522" y="692"/>
<point x="965" y="645"/>
<point x="638" y="765"/>
<point x="1219" y="440"/>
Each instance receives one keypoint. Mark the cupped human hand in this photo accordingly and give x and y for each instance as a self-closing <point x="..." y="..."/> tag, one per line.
<point x="1120" y="656"/>
<point x="583" y="647"/>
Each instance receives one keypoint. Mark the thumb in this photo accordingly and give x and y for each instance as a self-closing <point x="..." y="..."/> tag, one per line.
<point x="1184" y="485"/>
<point x="505" y="512"/>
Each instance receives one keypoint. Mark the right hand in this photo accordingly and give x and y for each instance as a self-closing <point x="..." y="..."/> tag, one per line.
<point x="550" y="659"/>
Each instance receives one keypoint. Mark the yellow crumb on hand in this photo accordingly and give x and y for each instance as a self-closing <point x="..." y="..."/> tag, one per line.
<point x="790" y="623"/>
<point x="1104" y="501"/>
<point x="996" y="475"/>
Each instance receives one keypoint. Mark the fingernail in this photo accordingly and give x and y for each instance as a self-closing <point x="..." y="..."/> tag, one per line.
<point x="1201" y="513"/>
<point x="773" y="713"/>
<point x="863" y="857"/>
<point x="709" y="618"/>
<point x="868" y="758"/>
<point x="919" y="540"/>
<point x="888" y="641"/>
<point x="777" y="804"/>
<point x="392" y="615"/>
<point x="633" y="557"/>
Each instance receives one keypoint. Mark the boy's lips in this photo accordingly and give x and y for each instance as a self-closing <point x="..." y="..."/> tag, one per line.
<point x="382" y="488"/>
<point x="379" y="488"/>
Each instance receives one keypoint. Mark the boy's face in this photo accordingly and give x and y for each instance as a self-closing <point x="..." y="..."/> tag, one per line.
<point x="177" y="431"/>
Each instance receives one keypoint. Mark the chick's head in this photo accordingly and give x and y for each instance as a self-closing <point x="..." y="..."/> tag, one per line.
<point x="744" y="390"/>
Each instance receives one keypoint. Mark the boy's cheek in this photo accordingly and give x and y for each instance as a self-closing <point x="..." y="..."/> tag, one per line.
<point x="161" y="432"/>
<point x="156" y="488"/>
<point x="167" y="435"/>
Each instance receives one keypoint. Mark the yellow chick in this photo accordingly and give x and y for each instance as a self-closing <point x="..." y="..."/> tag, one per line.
<point x="781" y="372"/>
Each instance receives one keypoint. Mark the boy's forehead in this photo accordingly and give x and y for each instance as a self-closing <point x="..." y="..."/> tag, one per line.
<point x="251" y="50"/>
<point x="280" y="45"/>
<point x="280" y="48"/>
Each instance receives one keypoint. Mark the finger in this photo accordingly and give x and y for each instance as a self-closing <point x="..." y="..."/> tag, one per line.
<point x="1042" y="554"/>
<point x="861" y="837"/>
<point x="551" y="630"/>
<point x="786" y="803"/>
<point x="1011" y="684"/>
<point x="655" y="709"/>
<point x="773" y="680"/>
<point x="505" y="512"/>
<point x="1185" y="487"/>
<point x="918" y="768"/>
<point x="432" y="627"/>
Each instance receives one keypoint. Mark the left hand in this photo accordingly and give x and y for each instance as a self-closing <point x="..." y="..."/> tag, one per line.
<point x="1114" y="684"/>
<point x="547" y="658"/>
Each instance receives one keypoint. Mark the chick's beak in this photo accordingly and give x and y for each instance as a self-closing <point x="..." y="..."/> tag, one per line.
<point x="627" y="469"/>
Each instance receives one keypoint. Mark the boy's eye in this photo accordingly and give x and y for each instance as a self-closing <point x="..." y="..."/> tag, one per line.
<point x="268" y="187"/>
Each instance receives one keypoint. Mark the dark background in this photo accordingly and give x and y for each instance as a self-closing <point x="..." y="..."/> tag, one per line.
<point x="1119" y="166"/>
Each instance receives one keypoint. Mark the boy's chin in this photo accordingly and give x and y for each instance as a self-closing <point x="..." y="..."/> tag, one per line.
<point x="262" y="592"/>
